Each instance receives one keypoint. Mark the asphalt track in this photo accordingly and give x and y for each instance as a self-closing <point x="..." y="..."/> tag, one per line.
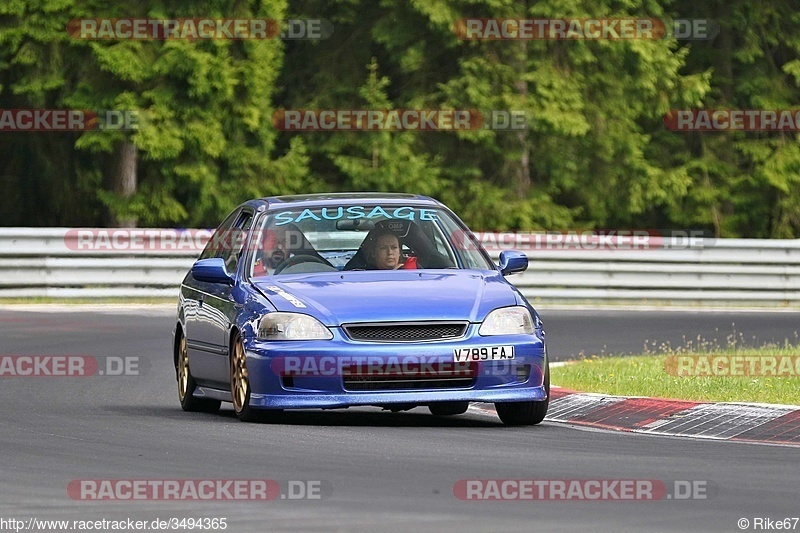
<point x="380" y="471"/>
<point x="574" y="332"/>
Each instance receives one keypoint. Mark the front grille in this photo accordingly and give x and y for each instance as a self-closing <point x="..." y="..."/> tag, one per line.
<point x="406" y="331"/>
<point x="411" y="377"/>
<point x="415" y="384"/>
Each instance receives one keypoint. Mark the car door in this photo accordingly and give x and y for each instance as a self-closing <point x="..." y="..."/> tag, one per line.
<point x="208" y="326"/>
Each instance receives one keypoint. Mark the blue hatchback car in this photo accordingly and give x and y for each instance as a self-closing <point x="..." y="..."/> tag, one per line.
<point x="338" y="300"/>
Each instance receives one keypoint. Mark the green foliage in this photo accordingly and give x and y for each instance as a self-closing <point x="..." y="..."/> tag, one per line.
<point x="204" y="141"/>
<point x="595" y="152"/>
<point x="592" y="107"/>
<point x="384" y="161"/>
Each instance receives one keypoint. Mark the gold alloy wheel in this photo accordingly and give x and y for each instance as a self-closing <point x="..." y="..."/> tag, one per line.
<point x="183" y="370"/>
<point x="239" y="377"/>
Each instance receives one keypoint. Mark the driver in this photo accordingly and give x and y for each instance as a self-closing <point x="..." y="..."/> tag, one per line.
<point x="385" y="253"/>
<point x="273" y="251"/>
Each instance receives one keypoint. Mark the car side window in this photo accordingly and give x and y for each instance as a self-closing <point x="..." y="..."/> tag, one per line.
<point x="440" y="241"/>
<point x="217" y="242"/>
<point x="441" y="247"/>
<point x="232" y="250"/>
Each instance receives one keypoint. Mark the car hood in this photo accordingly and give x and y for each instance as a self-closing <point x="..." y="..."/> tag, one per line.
<point x="375" y="296"/>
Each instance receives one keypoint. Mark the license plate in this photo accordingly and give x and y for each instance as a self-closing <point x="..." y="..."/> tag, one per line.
<point x="483" y="353"/>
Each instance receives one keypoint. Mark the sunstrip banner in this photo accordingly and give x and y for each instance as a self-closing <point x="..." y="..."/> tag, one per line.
<point x="354" y="212"/>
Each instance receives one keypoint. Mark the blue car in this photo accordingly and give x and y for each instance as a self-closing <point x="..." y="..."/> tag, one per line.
<point x="361" y="299"/>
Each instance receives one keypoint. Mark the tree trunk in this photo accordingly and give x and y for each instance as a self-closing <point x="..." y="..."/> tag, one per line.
<point x="522" y="172"/>
<point x="723" y="65"/>
<point x="123" y="180"/>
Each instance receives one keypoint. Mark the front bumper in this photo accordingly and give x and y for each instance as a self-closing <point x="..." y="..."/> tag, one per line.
<point x="308" y="374"/>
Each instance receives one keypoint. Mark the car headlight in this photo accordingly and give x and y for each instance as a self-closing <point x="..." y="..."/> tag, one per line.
<point x="508" y="321"/>
<point x="292" y="327"/>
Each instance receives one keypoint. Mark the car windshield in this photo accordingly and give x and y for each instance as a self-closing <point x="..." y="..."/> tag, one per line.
<point x="362" y="237"/>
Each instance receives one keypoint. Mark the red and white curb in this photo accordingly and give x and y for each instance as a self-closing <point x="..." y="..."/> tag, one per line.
<point x="775" y="424"/>
<point x="779" y="424"/>
<point x="764" y="423"/>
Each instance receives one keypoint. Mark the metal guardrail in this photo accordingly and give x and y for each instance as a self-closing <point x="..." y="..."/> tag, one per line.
<point x="44" y="262"/>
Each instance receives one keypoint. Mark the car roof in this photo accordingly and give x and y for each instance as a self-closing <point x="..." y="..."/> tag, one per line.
<point x="348" y="198"/>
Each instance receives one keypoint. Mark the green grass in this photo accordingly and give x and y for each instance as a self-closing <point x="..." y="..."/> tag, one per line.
<point x="647" y="375"/>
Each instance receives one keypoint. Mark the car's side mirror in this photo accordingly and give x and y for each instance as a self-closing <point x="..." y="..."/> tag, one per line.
<point x="211" y="270"/>
<point x="513" y="262"/>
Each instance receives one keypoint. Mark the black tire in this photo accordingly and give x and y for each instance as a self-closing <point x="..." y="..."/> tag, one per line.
<point x="448" y="408"/>
<point x="187" y="385"/>
<point x="525" y="413"/>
